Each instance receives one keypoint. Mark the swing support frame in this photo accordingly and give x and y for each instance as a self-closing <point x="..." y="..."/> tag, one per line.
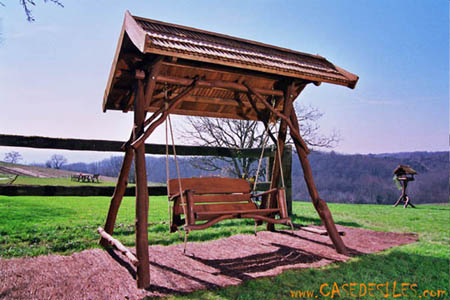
<point x="149" y="76"/>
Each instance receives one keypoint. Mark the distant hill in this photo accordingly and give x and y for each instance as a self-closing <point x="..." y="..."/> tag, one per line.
<point x="339" y="177"/>
<point x="32" y="171"/>
<point x="369" y="179"/>
<point x="39" y="171"/>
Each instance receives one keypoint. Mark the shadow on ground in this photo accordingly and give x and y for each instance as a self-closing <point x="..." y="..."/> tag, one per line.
<point x="378" y="269"/>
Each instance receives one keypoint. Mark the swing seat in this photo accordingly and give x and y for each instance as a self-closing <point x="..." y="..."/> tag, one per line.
<point x="214" y="199"/>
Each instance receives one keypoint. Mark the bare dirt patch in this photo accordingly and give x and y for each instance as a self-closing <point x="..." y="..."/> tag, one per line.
<point x="100" y="274"/>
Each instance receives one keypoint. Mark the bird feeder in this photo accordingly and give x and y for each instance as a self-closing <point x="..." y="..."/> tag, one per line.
<point x="404" y="174"/>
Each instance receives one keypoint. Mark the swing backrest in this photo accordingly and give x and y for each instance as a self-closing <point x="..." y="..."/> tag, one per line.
<point x="210" y="185"/>
<point x="214" y="194"/>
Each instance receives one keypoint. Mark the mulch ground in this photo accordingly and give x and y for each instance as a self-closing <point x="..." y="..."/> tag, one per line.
<point x="100" y="274"/>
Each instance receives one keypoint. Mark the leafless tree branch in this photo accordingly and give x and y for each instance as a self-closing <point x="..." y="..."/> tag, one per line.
<point x="27" y="4"/>
<point x="247" y="134"/>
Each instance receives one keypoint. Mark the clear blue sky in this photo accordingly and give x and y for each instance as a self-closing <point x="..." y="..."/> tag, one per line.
<point x="53" y="72"/>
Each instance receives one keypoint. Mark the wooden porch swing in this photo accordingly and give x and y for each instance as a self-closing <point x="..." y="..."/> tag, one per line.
<point x="170" y="69"/>
<point x="215" y="199"/>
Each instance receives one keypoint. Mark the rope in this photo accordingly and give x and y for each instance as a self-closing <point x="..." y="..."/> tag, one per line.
<point x="180" y="189"/>
<point x="278" y="149"/>
<point x="167" y="171"/>
<point x="265" y="138"/>
<point x="281" y="165"/>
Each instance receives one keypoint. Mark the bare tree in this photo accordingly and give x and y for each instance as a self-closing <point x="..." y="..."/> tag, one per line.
<point x="12" y="157"/>
<point x="248" y="134"/>
<point x="27" y="4"/>
<point x="225" y="133"/>
<point x="308" y="119"/>
<point x="112" y="165"/>
<point x="56" y="161"/>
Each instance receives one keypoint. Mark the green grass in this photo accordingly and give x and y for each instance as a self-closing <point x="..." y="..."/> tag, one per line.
<point x="31" y="226"/>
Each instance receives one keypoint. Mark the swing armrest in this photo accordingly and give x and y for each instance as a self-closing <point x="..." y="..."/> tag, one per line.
<point x="173" y="197"/>
<point x="264" y="193"/>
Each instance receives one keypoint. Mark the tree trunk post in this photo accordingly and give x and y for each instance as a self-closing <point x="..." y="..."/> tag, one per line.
<point x="119" y="191"/>
<point x="288" y="99"/>
<point x="319" y="204"/>
<point x="143" y="268"/>
<point x="287" y="174"/>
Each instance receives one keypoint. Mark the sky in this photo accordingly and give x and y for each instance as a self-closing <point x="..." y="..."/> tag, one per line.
<point x="53" y="71"/>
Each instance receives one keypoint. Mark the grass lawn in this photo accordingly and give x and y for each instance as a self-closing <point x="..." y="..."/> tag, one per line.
<point x="31" y="226"/>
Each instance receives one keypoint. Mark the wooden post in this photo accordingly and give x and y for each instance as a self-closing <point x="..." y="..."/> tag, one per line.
<point x="287" y="174"/>
<point x="320" y="205"/>
<point x="404" y="197"/>
<point x="143" y="268"/>
<point x="288" y="98"/>
<point x="281" y="197"/>
<point x="119" y="191"/>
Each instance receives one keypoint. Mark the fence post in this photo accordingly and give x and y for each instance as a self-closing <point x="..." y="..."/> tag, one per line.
<point x="287" y="174"/>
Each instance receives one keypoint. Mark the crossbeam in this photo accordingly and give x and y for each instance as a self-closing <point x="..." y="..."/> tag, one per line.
<point x="234" y="86"/>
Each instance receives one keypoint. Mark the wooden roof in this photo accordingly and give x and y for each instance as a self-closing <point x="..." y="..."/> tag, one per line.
<point x="221" y="62"/>
<point x="404" y="169"/>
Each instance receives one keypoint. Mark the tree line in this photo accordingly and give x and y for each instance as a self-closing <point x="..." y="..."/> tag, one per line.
<point x="340" y="178"/>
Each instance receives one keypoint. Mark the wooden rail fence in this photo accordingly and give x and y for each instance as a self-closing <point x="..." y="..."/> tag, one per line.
<point x="115" y="146"/>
